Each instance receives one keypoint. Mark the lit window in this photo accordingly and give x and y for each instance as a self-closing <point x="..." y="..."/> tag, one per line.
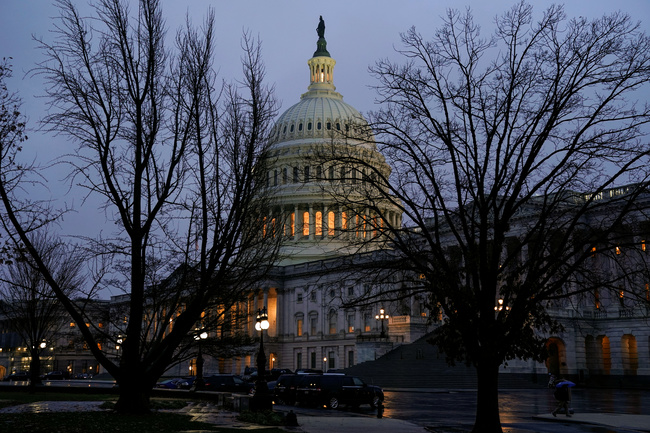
<point x="332" y="322"/>
<point x="643" y="245"/>
<point x="618" y="251"/>
<point x="319" y="223"/>
<point x="293" y="223"/>
<point x="330" y="223"/>
<point x="350" y="322"/>
<point x="299" y="327"/>
<point x="593" y="251"/>
<point x="344" y="221"/>
<point x="72" y="324"/>
<point x="305" y="224"/>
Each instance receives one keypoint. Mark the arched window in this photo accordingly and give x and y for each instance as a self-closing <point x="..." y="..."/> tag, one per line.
<point x="330" y="223"/>
<point x="305" y="224"/>
<point x="319" y="223"/>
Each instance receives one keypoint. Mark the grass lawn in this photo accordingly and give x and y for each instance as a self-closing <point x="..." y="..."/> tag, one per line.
<point x="100" y="422"/>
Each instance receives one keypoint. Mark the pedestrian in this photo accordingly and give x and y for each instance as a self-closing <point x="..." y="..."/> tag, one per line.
<point x="562" y="394"/>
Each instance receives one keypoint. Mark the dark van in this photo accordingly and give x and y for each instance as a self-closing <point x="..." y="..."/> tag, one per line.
<point x="334" y="390"/>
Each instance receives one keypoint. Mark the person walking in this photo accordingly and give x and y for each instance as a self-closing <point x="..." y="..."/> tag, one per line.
<point x="562" y="394"/>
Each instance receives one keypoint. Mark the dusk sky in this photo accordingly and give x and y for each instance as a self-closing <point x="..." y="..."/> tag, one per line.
<point x="358" y="32"/>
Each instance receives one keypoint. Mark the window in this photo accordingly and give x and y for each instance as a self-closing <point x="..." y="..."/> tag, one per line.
<point x="313" y="325"/>
<point x="618" y="250"/>
<point x="621" y="297"/>
<point x="275" y="178"/>
<point x="331" y="360"/>
<point x="291" y="130"/>
<point x="351" y="291"/>
<point x="350" y="356"/>
<point x="299" y="296"/>
<point x="306" y="174"/>
<point x="309" y="126"/>
<point x="319" y="223"/>
<point x="596" y="299"/>
<point x="329" y="125"/>
<point x="366" y="322"/>
<point x="72" y="324"/>
<point x="331" y="173"/>
<point x="332" y="293"/>
<point x="318" y="126"/>
<point x="319" y="173"/>
<point x="285" y="175"/>
<point x="312" y="359"/>
<point x="300" y="127"/>
<point x="298" y="361"/>
<point x="643" y="247"/>
<point x="299" y="327"/>
<point x="296" y="175"/>
<point x="305" y="224"/>
<point x="343" y="174"/>
<point x="331" y="223"/>
<point x="293" y="223"/>
<point x="344" y="221"/>
<point x="312" y="296"/>
<point x="351" y="322"/>
<point x="332" y="322"/>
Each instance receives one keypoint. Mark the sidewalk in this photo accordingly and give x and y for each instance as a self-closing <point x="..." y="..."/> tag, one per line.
<point x="621" y="421"/>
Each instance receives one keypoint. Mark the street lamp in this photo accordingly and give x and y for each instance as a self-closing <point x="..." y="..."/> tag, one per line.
<point x="262" y="399"/>
<point x="381" y="317"/>
<point x="198" y="383"/>
<point x="500" y="306"/>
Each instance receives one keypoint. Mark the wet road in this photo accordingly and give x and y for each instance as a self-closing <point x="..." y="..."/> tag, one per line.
<point x="455" y="411"/>
<point x="517" y="407"/>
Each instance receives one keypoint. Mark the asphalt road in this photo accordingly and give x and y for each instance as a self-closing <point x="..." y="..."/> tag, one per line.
<point x="455" y="411"/>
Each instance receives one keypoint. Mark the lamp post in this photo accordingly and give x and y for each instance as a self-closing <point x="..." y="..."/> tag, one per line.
<point x="381" y="317"/>
<point x="198" y="383"/>
<point x="262" y="399"/>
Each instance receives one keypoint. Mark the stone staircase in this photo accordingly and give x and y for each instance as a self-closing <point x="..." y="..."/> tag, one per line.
<point x="422" y="365"/>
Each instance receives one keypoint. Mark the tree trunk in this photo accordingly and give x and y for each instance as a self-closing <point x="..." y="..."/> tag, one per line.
<point x="34" y="370"/>
<point x="487" y="399"/>
<point x="134" y="397"/>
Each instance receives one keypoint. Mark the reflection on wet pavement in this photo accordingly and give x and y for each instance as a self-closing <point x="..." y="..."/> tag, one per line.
<point x="54" y="406"/>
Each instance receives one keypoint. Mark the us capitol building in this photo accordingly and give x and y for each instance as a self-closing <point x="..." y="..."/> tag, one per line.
<point x="309" y="326"/>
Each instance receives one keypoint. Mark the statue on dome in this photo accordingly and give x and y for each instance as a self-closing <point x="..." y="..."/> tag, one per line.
<point x="321" y="28"/>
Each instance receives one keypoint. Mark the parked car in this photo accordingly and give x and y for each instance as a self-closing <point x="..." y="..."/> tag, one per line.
<point x="56" y="375"/>
<point x="333" y="390"/>
<point x="18" y="376"/>
<point x="285" y="388"/>
<point x="187" y="383"/>
<point x="174" y="383"/>
<point x="227" y="383"/>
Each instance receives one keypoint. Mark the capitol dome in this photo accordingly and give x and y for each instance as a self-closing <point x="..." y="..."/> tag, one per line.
<point x="309" y="145"/>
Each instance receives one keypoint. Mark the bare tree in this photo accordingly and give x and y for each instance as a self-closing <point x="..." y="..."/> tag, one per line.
<point x="29" y="305"/>
<point x="509" y="156"/>
<point x="179" y="163"/>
